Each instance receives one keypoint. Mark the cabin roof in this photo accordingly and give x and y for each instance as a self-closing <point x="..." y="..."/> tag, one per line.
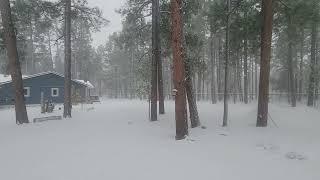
<point x="5" y="79"/>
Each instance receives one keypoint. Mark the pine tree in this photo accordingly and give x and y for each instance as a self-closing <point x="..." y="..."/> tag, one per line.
<point x="67" y="68"/>
<point x="15" y="70"/>
<point x="179" y="70"/>
<point x="266" y="36"/>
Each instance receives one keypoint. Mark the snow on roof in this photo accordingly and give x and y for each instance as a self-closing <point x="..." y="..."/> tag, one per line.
<point x="4" y="78"/>
<point x="87" y="83"/>
<point x="7" y="79"/>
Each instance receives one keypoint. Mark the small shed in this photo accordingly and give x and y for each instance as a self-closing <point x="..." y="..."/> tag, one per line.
<point x="51" y="84"/>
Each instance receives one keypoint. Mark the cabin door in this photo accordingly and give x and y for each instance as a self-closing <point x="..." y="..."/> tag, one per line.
<point x="46" y="91"/>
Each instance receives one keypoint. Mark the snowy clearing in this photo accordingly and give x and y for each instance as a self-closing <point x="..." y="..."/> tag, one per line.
<point x="114" y="140"/>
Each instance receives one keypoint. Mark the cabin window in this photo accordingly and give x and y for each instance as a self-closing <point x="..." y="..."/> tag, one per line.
<point x="26" y="91"/>
<point x="54" y="92"/>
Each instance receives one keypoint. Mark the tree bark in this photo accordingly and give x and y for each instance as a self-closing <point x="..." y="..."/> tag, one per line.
<point x="245" y="66"/>
<point x="252" y="79"/>
<point x="312" y="77"/>
<point x="193" y="110"/>
<point x="256" y="76"/>
<point x="219" y="76"/>
<point x="67" y="68"/>
<point x="266" y="36"/>
<point x="32" y="70"/>
<point x="203" y="84"/>
<point x="14" y="64"/>
<point x="290" y="63"/>
<point x="50" y="53"/>
<point x="199" y="81"/>
<point x="179" y="70"/>
<point x="157" y="51"/>
<point x="301" y="66"/>
<point x="226" y="71"/>
<point x="213" y="72"/>
<point x="155" y="58"/>
<point x="160" y="87"/>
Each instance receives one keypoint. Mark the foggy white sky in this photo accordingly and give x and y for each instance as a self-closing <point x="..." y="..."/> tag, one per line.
<point x="108" y="7"/>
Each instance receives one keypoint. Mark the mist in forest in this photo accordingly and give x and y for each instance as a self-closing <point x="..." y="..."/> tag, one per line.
<point x="159" y="89"/>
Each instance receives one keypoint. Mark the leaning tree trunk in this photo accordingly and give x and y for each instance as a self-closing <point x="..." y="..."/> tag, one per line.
<point x="15" y="70"/>
<point x="67" y="63"/>
<point x="266" y="36"/>
<point x="179" y="70"/>
<point x="193" y="110"/>
<point x="226" y="71"/>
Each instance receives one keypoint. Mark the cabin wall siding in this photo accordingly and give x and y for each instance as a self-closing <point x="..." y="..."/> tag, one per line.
<point x="39" y="84"/>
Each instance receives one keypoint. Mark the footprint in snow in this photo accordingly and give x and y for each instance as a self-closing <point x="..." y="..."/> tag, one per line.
<point x="295" y="156"/>
<point x="268" y="147"/>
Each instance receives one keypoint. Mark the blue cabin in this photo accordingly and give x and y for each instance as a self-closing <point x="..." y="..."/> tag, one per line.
<point x="50" y="84"/>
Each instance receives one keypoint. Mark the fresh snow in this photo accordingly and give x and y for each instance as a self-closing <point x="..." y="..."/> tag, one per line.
<point x="4" y="78"/>
<point x="87" y="83"/>
<point x="114" y="140"/>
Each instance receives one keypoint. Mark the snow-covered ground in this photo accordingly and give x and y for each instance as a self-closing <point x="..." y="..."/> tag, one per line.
<point x="114" y="140"/>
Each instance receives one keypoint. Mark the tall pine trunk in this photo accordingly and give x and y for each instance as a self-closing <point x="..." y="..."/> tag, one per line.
<point x="50" y="63"/>
<point x="193" y="110"/>
<point x="179" y="70"/>
<point x="290" y="62"/>
<point x="67" y="63"/>
<point x="219" y="76"/>
<point x="301" y="66"/>
<point x="160" y="88"/>
<point x="32" y="69"/>
<point x="256" y="77"/>
<point x="226" y="70"/>
<point x="245" y="66"/>
<point x="266" y="36"/>
<point x="312" y="77"/>
<point x="154" y="65"/>
<point x="213" y="72"/>
<point x="15" y="70"/>
<point x="199" y="80"/>
<point x="157" y="48"/>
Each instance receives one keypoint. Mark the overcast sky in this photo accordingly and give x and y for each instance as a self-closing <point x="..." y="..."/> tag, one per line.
<point x="108" y="7"/>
